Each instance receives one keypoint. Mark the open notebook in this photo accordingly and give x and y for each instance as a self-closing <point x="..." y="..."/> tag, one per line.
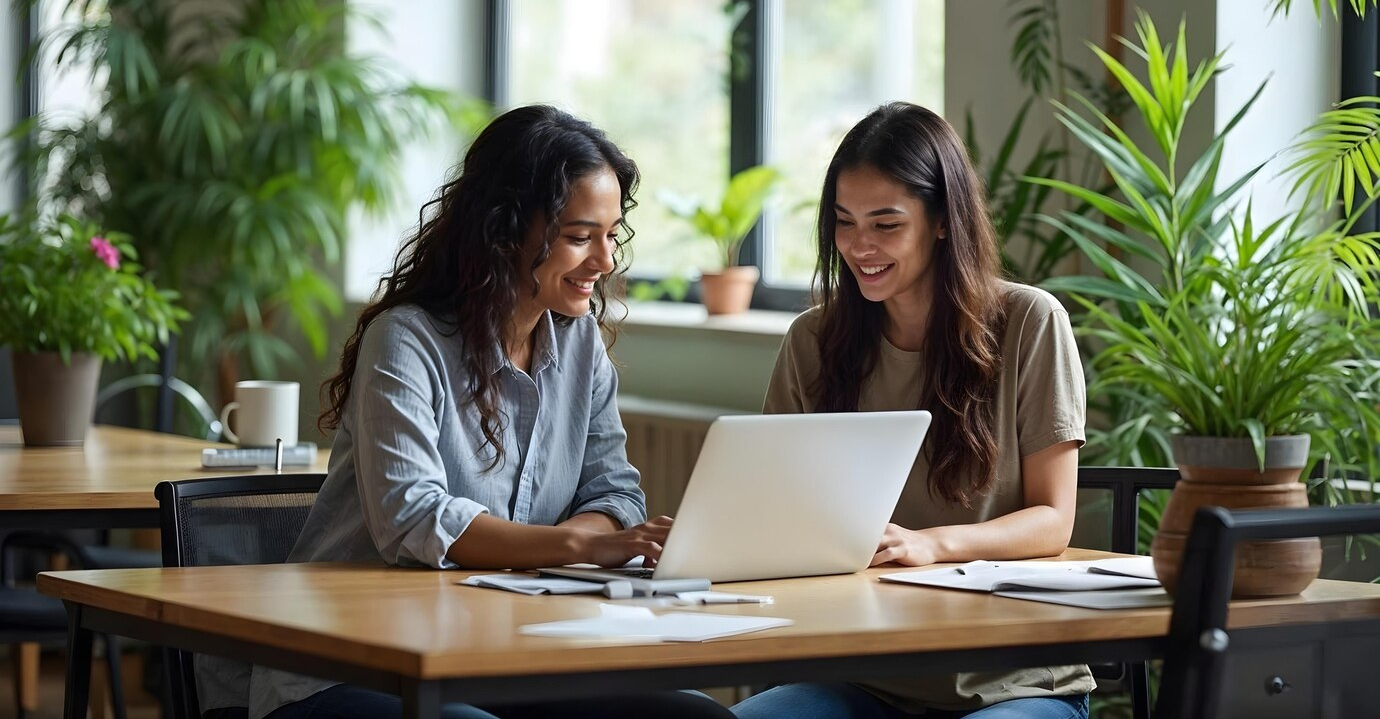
<point x="1118" y="583"/>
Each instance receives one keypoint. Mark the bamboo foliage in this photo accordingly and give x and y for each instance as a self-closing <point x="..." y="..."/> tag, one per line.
<point x="1237" y="330"/>
<point x="1282" y="7"/>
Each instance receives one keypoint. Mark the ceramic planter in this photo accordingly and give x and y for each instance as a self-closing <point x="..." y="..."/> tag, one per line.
<point x="56" y="400"/>
<point x="1224" y="472"/>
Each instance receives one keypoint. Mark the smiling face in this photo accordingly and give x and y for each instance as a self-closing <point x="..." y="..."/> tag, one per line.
<point x="886" y="239"/>
<point x="582" y="251"/>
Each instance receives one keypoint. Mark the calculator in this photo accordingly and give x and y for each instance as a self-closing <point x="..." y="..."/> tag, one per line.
<point x="299" y="455"/>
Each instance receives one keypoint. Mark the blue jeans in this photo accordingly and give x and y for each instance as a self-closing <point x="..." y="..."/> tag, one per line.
<point x="838" y="700"/>
<point x="347" y="702"/>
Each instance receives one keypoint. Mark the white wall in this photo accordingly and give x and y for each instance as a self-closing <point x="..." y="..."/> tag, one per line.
<point x="1299" y="59"/>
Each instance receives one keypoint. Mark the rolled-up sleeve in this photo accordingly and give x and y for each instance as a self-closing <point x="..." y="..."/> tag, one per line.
<point x="608" y="483"/>
<point x="402" y="481"/>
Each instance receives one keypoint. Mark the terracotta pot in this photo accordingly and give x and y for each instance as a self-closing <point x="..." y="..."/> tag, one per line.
<point x="1224" y="472"/>
<point x="1189" y="496"/>
<point x="1263" y="569"/>
<point x="56" y="400"/>
<point x="728" y="292"/>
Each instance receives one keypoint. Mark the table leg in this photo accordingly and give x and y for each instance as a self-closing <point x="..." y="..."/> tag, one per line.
<point x="421" y="700"/>
<point x="79" y="640"/>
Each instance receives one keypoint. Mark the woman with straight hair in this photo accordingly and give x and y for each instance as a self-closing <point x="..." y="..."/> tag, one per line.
<point x="475" y="406"/>
<point x="914" y="314"/>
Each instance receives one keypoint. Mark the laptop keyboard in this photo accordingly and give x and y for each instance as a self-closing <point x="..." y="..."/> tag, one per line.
<point x="635" y="572"/>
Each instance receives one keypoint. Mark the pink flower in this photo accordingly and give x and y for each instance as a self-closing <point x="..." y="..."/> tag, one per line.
<point x="106" y="251"/>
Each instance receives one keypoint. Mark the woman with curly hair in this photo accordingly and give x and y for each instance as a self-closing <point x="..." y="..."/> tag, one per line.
<point x="475" y="405"/>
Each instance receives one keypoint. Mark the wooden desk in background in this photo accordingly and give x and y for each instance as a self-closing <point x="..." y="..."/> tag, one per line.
<point x="105" y="484"/>
<point x="416" y="634"/>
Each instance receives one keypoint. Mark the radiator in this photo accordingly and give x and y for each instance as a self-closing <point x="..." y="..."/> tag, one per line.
<point x="664" y="439"/>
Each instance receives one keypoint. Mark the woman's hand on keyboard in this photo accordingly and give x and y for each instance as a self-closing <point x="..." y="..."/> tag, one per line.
<point x="614" y="549"/>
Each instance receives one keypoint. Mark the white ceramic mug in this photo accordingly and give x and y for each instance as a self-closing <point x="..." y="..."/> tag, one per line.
<point x="268" y="411"/>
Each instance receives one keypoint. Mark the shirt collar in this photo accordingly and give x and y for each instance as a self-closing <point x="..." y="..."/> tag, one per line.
<point x="544" y="347"/>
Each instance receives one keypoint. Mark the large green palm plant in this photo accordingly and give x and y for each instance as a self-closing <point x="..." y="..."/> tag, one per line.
<point x="1235" y="331"/>
<point x="230" y="142"/>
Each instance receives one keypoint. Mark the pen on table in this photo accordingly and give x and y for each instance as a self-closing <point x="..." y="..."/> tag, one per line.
<point x="278" y="457"/>
<point x="712" y="597"/>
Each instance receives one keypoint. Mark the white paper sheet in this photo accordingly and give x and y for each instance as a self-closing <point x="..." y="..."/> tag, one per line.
<point x="641" y="623"/>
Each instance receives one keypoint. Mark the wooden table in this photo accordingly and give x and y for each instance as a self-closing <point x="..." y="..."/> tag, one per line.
<point x="416" y="634"/>
<point x="105" y="484"/>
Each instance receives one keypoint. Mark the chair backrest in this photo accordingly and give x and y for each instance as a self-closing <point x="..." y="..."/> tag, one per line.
<point x="251" y="519"/>
<point x="208" y="422"/>
<point x="1109" y="498"/>
<point x="1198" y="637"/>
<point x="1123" y="485"/>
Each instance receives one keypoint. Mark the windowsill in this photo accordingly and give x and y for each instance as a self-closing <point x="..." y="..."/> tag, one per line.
<point x="688" y="316"/>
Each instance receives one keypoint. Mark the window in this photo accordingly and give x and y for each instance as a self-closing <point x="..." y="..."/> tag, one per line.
<point x="650" y="73"/>
<point x="425" y="39"/>
<point x="62" y="97"/>
<point x="70" y="94"/>
<point x="656" y="76"/>
<point x="838" y="60"/>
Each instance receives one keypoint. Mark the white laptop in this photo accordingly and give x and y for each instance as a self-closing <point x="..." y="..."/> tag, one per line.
<point x="786" y="495"/>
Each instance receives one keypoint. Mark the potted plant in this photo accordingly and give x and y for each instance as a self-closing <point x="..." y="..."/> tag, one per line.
<point x="1249" y="341"/>
<point x="70" y="297"/>
<point x="729" y="289"/>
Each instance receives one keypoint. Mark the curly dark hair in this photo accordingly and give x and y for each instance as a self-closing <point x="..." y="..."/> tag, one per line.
<point x="918" y="149"/>
<point x="462" y="266"/>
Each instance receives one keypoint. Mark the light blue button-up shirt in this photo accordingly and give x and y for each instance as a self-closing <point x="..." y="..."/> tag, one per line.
<point x="409" y="470"/>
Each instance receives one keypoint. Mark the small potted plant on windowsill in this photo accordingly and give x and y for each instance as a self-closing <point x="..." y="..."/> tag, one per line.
<point x="70" y="297"/>
<point x="729" y="290"/>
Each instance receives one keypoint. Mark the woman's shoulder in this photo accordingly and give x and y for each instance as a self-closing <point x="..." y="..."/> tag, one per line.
<point x="408" y="319"/>
<point x="1025" y="304"/>
<point x="409" y="324"/>
<point x="807" y="323"/>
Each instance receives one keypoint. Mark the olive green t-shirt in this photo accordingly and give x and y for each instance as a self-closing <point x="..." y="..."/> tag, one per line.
<point x="1040" y="402"/>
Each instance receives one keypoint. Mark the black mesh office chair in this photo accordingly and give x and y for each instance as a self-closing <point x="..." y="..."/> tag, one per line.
<point x="1200" y="646"/>
<point x="254" y="519"/>
<point x="1123" y="486"/>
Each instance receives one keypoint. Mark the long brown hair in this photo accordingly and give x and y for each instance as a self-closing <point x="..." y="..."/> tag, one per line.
<point x="962" y="361"/>
<point x="462" y="265"/>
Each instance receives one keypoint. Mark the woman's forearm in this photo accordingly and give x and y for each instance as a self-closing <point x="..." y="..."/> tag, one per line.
<point x="1039" y="531"/>
<point x="593" y="521"/>
<point x="493" y="543"/>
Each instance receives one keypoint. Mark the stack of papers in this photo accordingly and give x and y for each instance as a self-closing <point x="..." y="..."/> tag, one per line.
<point x="641" y="623"/>
<point x="527" y="584"/>
<point x="1103" y="584"/>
